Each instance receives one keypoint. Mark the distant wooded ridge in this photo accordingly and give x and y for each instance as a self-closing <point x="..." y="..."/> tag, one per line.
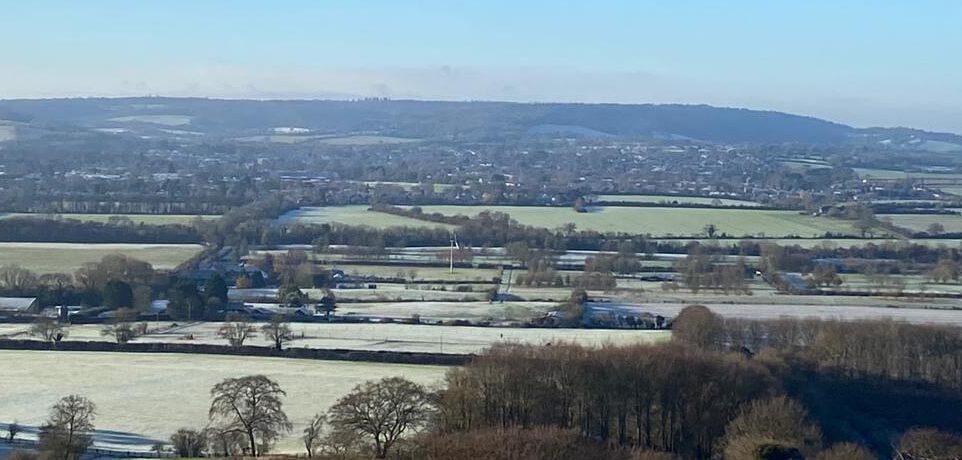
<point x="436" y="120"/>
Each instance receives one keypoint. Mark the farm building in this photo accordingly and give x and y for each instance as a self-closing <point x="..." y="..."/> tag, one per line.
<point x="17" y="305"/>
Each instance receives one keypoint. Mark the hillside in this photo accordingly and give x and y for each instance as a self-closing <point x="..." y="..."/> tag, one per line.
<point x="451" y="120"/>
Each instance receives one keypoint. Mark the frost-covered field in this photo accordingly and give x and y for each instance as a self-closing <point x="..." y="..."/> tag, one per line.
<point x="393" y="337"/>
<point x="147" y="397"/>
<point x="68" y="257"/>
<point x="846" y="313"/>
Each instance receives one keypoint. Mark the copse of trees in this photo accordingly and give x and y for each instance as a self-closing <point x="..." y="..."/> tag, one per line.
<point x="888" y="349"/>
<point x="639" y="396"/>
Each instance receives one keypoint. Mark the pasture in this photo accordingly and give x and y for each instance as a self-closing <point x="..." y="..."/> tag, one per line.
<point x="672" y="199"/>
<point x="374" y="336"/>
<point x="666" y="221"/>
<point x="147" y="397"/>
<point x="165" y="120"/>
<point x="147" y="219"/>
<point x="365" y="140"/>
<point x="759" y="311"/>
<point x="351" y="215"/>
<point x="68" y="257"/>
<point x="921" y="222"/>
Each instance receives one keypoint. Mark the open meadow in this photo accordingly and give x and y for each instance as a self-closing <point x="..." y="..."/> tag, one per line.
<point x="68" y="257"/>
<point x="351" y="215"/>
<point x="637" y="220"/>
<point x="374" y="336"/>
<point x="670" y="199"/>
<point x="921" y="222"/>
<point x="144" y="398"/>
<point x="7" y="133"/>
<point x="147" y="219"/>
<point x="665" y="221"/>
<point x="164" y="120"/>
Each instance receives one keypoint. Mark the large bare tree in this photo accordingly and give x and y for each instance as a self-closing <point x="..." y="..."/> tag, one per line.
<point x="382" y="410"/>
<point x="252" y="406"/>
<point x="69" y="429"/>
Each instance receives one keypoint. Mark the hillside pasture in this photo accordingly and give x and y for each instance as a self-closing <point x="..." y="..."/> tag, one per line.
<point x="921" y="222"/>
<point x="7" y="133"/>
<point x="672" y="199"/>
<point x="164" y="120"/>
<point x="365" y="140"/>
<point x="351" y="215"/>
<point x="68" y="257"/>
<point x="147" y="397"/>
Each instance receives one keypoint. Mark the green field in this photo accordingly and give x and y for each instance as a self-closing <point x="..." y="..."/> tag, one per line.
<point x="165" y="120"/>
<point x="666" y="221"/>
<point x="868" y="173"/>
<point x="921" y="222"/>
<point x="68" y="257"/>
<point x="825" y="242"/>
<point x="365" y="140"/>
<point x="149" y="219"/>
<point x="352" y="215"/>
<point x="408" y="186"/>
<point x="675" y="199"/>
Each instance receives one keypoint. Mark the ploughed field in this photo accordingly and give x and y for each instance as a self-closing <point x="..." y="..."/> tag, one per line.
<point x="68" y="257"/>
<point x="144" y="398"/>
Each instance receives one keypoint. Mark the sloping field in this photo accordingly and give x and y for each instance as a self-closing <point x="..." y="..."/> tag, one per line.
<point x="165" y="120"/>
<point x="921" y="222"/>
<point x="148" y="219"/>
<point x="352" y="215"/>
<point x="7" y="133"/>
<point x="666" y="221"/>
<point x="365" y="140"/>
<point x="68" y="257"/>
<point x="668" y="199"/>
<point x="150" y="396"/>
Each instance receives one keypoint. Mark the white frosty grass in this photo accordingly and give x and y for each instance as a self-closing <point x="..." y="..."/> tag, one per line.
<point x="68" y="257"/>
<point x="368" y="336"/>
<point x="152" y="395"/>
<point x="936" y="316"/>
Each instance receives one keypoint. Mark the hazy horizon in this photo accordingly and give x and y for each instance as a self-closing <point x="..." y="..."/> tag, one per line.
<point x="852" y="62"/>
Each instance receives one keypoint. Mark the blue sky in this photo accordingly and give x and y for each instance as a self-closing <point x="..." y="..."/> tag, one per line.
<point x="881" y="62"/>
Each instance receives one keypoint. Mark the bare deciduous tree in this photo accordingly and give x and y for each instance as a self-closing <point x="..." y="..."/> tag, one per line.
<point x="278" y="331"/>
<point x="188" y="442"/>
<point x="48" y="329"/>
<point x="251" y="406"/>
<point x="68" y="431"/>
<point x="123" y="329"/>
<point x="312" y="434"/>
<point x="236" y="330"/>
<point x="382" y="410"/>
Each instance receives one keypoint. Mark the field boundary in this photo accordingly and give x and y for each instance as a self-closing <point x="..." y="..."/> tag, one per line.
<point x="324" y="354"/>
